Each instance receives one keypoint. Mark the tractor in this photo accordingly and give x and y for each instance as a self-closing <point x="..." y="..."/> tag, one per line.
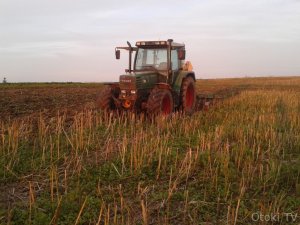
<point x="160" y="81"/>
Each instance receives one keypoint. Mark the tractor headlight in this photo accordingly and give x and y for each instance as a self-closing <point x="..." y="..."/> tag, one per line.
<point x="133" y="91"/>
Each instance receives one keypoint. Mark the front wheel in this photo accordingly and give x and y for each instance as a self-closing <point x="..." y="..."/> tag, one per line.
<point x="160" y="102"/>
<point x="188" y="95"/>
<point x="105" y="99"/>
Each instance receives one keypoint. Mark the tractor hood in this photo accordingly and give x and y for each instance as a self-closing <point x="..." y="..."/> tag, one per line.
<point x="127" y="82"/>
<point x="142" y="80"/>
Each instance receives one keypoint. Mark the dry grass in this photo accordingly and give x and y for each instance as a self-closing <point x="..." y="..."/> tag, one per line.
<point x="217" y="167"/>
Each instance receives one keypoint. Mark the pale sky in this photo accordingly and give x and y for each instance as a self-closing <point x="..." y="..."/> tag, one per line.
<point x="74" y="40"/>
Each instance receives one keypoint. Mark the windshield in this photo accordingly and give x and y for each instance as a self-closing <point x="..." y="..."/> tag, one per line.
<point x="151" y="59"/>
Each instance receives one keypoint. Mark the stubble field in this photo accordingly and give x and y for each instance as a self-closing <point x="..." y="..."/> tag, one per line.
<point x="63" y="162"/>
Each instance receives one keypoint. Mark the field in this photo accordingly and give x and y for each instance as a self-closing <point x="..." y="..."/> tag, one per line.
<point x="238" y="162"/>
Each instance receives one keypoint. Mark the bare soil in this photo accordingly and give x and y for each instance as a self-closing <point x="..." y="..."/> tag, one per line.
<point x="16" y="102"/>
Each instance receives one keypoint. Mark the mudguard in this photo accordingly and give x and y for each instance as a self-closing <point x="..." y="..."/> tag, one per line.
<point x="178" y="81"/>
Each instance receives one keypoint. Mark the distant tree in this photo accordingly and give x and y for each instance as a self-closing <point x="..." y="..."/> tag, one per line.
<point x="4" y="80"/>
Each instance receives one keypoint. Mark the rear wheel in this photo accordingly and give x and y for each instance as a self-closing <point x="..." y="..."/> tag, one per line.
<point x="105" y="99"/>
<point x="188" y="95"/>
<point x="160" y="102"/>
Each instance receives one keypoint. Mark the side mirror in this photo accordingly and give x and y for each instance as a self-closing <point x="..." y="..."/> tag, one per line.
<point x="181" y="54"/>
<point x="118" y="54"/>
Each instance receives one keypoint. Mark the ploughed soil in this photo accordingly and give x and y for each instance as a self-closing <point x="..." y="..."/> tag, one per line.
<point x="23" y="100"/>
<point x="19" y="101"/>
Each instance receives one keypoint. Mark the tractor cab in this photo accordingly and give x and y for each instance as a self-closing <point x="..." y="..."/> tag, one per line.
<point x="159" y="56"/>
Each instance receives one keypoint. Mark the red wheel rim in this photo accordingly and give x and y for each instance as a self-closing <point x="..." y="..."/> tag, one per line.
<point x="190" y="96"/>
<point x="166" y="105"/>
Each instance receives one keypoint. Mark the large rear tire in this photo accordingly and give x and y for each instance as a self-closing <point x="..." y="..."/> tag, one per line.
<point x="105" y="99"/>
<point x="188" y="95"/>
<point x="160" y="102"/>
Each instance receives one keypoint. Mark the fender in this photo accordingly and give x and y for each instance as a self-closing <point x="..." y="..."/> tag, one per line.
<point x="178" y="81"/>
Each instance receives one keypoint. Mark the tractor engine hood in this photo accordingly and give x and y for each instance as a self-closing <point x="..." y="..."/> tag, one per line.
<point x="139" y="81"/>
<point x="127" y="82"/>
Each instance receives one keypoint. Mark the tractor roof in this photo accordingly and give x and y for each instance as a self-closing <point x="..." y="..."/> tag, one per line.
<point x="148" y="44"/>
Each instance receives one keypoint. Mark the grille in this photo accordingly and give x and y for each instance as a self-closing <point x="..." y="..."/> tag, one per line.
<point x="127" y="82"/>
<point x="139" y="82"/>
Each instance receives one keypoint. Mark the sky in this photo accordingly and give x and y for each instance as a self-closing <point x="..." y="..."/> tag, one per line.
<point x="74" y="40"/>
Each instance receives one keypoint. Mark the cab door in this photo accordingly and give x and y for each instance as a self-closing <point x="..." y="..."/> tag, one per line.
<point x="175" y="72"/>
<point x="174" y="65"/>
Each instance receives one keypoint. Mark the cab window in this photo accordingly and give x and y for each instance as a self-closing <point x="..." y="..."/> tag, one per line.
<point x="174" y="60"/>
